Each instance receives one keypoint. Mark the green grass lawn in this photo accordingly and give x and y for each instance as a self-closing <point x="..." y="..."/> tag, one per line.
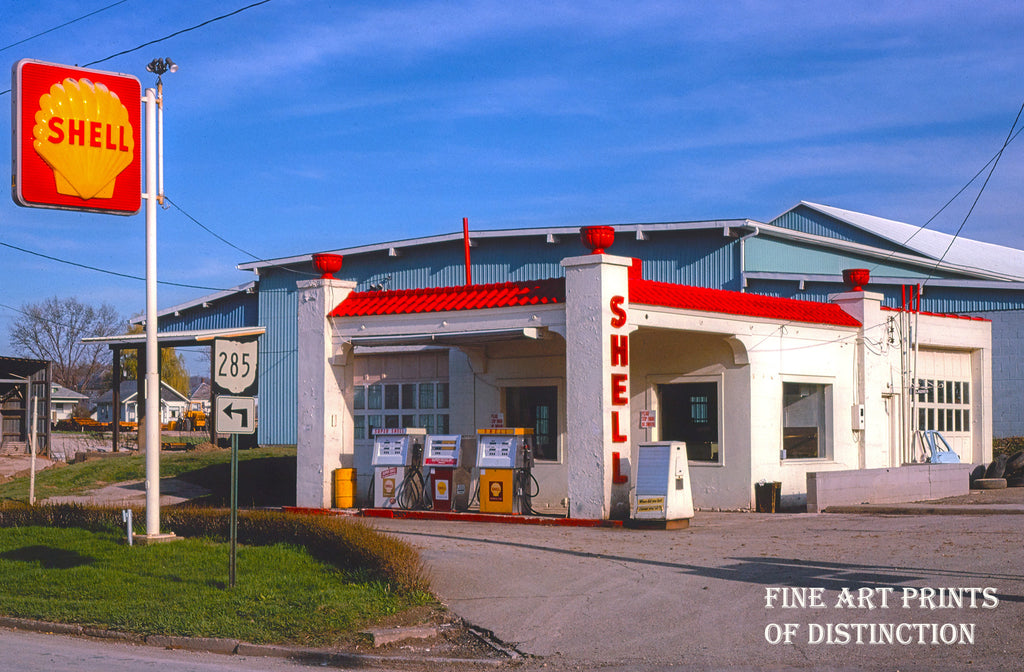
<point x="282" y="594"/>
<point x="266" y="475"/>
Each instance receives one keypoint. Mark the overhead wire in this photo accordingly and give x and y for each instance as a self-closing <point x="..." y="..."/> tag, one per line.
<point x="66" y="23"/>
<point x="107" y="271"/>
<point x="167" y="37"/>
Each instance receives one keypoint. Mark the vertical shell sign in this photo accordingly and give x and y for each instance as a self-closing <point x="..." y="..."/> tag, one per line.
<point x="76" y="139"/>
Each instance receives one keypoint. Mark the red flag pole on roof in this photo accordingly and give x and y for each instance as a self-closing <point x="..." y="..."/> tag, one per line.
<point x="465" y="246"/>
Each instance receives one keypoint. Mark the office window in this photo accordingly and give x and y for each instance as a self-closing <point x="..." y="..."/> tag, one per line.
<point x="806" y="413"/>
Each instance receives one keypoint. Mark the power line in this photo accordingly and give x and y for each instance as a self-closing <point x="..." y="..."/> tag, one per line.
<point x="50" y="30"/>
<point x="108" y="272"/>
<point x="185" y="30"/>
<point x="174" y="34"/>
<point x="995" y="162"/>
<point x="232" y="245"/>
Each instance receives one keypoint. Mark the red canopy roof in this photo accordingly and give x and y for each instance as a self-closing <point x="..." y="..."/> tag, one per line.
<point x="461" y="297"/>
<point x="668" y="295"/>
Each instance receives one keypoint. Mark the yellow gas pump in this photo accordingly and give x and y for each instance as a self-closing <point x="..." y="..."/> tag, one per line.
<point x="499" y="456"/>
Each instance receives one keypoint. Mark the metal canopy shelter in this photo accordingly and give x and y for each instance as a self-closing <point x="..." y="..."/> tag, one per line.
<point x="16" y="374"/>
<point x="166" y="339"/>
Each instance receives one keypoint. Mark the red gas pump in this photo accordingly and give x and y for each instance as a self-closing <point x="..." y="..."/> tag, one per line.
<point x="442" y="454"/>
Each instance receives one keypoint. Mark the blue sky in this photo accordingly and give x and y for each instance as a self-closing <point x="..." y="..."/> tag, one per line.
<point x="299" y="126"/>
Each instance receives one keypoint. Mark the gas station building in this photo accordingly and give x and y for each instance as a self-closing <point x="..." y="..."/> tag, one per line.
<point x="760" y="388"/>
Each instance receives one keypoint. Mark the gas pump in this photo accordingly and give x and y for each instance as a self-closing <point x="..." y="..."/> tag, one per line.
<point x="502" y="455"/>
<point x="442" y="454"/>
<point x="395" y="452"/>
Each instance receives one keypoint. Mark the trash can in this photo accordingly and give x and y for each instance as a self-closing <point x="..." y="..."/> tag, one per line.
<point x="344" y="488"/>
<point x="768" y="496"/>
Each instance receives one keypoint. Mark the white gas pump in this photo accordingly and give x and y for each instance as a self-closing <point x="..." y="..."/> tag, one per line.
<point x="501" y="455"/>
<point x="663" y="496"/>
<point x="395" y="451"/>
<point x="442" y="454"/>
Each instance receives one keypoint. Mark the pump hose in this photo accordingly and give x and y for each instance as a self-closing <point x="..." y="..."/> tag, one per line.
<point x="522" y="489"/>
<point x="411" y="491"/>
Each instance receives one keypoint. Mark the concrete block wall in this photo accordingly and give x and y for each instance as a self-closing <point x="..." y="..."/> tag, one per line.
<point x="1007" y="373"/>
<point x="894" y="485"/>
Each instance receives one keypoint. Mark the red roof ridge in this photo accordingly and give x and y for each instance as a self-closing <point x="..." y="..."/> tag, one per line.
<point x="704" y="299"/>
<point x="452" y="297"/>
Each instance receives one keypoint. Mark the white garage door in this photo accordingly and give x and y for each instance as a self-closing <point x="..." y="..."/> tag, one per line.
<point x="945" y="397"/>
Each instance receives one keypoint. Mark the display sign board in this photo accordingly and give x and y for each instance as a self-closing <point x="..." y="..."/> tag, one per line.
<point x="234" y="366"/>
<point x="77" y="138"/>
<point x="236" y="415"/>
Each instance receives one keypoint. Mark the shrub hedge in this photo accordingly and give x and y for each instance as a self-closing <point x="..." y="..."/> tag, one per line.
<point x="342" y="542"/>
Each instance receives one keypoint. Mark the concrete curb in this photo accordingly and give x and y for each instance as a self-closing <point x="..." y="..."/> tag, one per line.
<point x="238" y="648"/>
<point x="930" y="509"/>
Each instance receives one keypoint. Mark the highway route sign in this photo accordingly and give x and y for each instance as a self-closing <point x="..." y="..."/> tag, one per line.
<point x="234" y="366"/>
<point x="236" y="415"/>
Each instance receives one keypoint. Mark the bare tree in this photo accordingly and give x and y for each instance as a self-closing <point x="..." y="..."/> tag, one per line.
<point x="54" y="329"/>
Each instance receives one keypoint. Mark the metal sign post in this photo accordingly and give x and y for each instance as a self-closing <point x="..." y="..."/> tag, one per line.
<point x="233" y="527"/>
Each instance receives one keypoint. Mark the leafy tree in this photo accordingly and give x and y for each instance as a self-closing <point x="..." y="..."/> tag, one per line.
<point x="53" y="330"/>
<point x="173" y="370"/>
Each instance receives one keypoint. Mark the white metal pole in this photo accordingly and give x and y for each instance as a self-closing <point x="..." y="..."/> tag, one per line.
<point x="152" y="353"/>
<point x="32" y="440"/>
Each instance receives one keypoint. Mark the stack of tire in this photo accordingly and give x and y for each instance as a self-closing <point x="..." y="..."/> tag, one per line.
<point x="1002" y="472"/>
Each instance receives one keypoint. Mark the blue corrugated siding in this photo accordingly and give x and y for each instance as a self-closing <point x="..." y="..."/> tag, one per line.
<point x="278" y="367"/>
<point x="768" y="255"/>
<point x="236" y="311"/>
<point x="810" y="221"/>
<point x="934" y="299"/>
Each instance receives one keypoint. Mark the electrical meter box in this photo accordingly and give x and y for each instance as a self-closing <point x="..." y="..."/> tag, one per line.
<point x="499" y="456"/>
<point x="663" y="496"/>
<point x="393" y="451"/>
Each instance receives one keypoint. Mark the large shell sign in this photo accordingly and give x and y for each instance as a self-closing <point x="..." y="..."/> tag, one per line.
<point x="77" y="139"/>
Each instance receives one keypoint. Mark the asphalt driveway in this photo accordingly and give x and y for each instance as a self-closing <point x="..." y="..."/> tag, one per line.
<point x="696" y="599"/>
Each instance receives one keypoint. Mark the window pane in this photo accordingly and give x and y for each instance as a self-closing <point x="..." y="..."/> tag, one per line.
<point x="689" y="412"/>
<point x="949" y="419"/>
<point x="803" y="420"/>
<point x="373" y="422"/>
<point x="427" y="423"/>
<point x="957" y="420"/>
<point x="442" y="395"/>
<point x="941" y="392"/>
<point x="359" y="398"/>
<point x="957" y="393"/>
<point x="375" y="396"/>
<point x="409" y="395"/>
<point x="426" y="395"/>
<point x="967" y="394"/>
<point x="409" y="421"/>
<point x="922" y="389"/>
<point x="391" y="421"/>
<point x="359" y="425"/>
<point x="391" y="396"/>
<point x="942" y="420"/>
<point x="967" y="420"/>
<point x="922" y="419"/>
<point x="931" y="418"/>
<point x="931" y="391"/>
<point x="442" y="423"/>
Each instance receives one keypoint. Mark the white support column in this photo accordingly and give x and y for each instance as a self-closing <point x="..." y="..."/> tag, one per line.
<point x="325" y="432"/>
<point x="597" y="380"/>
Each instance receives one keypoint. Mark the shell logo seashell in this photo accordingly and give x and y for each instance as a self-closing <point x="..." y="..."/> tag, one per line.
<point x="83" y="133"/>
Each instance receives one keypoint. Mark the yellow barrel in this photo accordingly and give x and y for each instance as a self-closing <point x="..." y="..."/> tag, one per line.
<point x="344" y="488"/>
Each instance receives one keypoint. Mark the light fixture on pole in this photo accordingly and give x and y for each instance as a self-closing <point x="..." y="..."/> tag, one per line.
<point x="153" y="195"/>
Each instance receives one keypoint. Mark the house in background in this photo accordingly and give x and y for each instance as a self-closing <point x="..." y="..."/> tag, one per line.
<point x="173" y="404"/>
<point x="63" y="402"/>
